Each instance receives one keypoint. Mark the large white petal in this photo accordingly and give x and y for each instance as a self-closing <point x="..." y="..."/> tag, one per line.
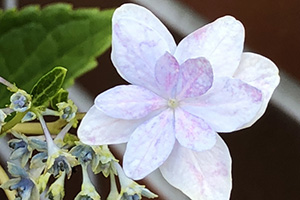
<point x="227" y="106"/>
<point x="220" y="42"/>
<point x="129" y="102"/>
<point x="139" y="39"/>
<point x="204" y="175"/>
<point x="96" y="128"/>
<point x="193" y="132"/>
<point x="262" y="73"/>
<point x="150" y="145"/>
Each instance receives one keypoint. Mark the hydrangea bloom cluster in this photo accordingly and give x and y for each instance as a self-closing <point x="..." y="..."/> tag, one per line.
<point x="38" y="158"/>
<point x="179" y="97"/>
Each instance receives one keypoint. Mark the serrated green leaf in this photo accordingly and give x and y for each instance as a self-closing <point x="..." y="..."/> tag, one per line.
<point x="61" y="96"/>
<point x="48" y="86"/>
<point x="34" y="40"/>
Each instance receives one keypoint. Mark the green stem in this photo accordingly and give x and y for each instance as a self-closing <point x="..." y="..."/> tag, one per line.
<point x="17" y="119"/>
<point x="113" y="185"/>
<point x="85" y="175"/>
<point x="114" y="193"/>
<point x="4" y="178"/>
<point x="34" y="128"/>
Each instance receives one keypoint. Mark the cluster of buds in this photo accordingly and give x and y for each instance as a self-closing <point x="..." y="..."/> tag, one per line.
<point x="54" y="155"/>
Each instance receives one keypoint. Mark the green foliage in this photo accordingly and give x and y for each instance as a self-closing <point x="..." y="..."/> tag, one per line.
<point x="48" y="86"/>
<point x="34" y="40"/>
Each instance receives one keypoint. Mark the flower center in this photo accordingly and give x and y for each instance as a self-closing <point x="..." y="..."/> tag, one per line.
<point x="173" y="103"/>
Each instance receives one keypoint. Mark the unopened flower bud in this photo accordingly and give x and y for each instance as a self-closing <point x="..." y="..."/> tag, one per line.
<point x="20" y="101"/>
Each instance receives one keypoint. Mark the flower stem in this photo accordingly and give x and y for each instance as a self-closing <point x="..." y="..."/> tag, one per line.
<point x="3" y="178"/>
<point x="85" y="175"/>
<point x="45" y="128"/>
<point x="113" y="185"/>
<point x="17" y="119"/>
<point x="34" y="128"/>
<point x="50" y="143"/>
<point x="124" y="180"/>
<point x="64" y="131"/>
<point x="114" y="193"/>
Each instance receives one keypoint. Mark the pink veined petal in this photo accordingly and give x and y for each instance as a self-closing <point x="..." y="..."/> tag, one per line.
<point x="227" y="106"/>
<point x="150" y="145"/>
<point x="96" y="128"/>
<point x="129" y="102"/>
<point x="192" y="132"/>
<point x="196" y="78"/>
<point x="139" y="39"/>
<point x="204" y="175"/>
<point x="166" y="73"/>
<point x="262" y="73"/>
<point x="221" y="42"/>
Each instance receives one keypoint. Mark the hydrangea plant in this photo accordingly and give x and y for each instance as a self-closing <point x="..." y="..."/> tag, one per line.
<point x="44" y="153"/>
<point x="178" y="98"/>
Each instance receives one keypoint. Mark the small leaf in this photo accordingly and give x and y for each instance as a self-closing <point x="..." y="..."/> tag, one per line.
<point x="61" y="96"/>
<point x="48" y="86"/>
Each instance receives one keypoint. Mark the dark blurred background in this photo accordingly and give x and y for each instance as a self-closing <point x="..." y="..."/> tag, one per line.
<point x="266" y="157"/>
